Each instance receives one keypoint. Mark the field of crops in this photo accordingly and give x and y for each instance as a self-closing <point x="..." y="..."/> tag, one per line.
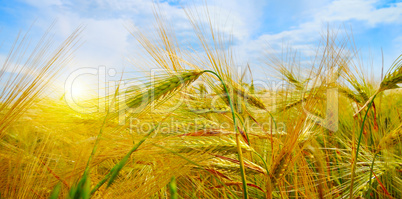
<point x="323" y="128"/>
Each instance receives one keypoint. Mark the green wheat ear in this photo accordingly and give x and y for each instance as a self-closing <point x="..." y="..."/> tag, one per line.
<point x="349" y="94"/>
<point x="250" y="99"/>
<point x="391" y="81"/>
<point x="391" y="139"/>
<point x="164" y="87"/>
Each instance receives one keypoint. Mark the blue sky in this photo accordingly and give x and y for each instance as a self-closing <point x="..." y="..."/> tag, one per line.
<point x="255" y="24"/>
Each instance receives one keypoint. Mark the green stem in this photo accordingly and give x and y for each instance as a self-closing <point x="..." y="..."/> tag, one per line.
<point x="268" y="192"/>
<point x="358" y="146"/>
<point x="242" y="171"/>
<point x="265" y="163"/>
<point x="96" y="144"/>
<point x="122" y="161"/>
<point x="244" y="129"/>
<point x="371" y="174"/>
<point x="99" y="135"/>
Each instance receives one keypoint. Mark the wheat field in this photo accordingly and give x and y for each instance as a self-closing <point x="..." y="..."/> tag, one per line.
<point x="330" y="131"/>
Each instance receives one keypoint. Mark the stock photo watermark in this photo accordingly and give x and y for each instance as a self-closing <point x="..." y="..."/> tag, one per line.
<point x="128" y="97"/>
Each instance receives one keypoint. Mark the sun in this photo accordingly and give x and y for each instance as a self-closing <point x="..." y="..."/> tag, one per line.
<point x="79" y="92"/>
<point x="81" y="89"/>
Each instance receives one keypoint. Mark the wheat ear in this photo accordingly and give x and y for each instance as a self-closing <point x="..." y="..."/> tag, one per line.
<point x="279" y="168"/>
<point x="391" y="139"/>
<point x="250" y="99"/>
<point x="390" y="81"/>
<point x="164" y="87"/>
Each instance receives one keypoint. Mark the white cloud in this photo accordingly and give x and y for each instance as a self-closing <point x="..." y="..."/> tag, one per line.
<point x="303" y="36"/>
<point x="107" y="42"/>
<point x="106" y="39"/>
<point x="44" y="3"/>
<point x="361" y="10"/>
